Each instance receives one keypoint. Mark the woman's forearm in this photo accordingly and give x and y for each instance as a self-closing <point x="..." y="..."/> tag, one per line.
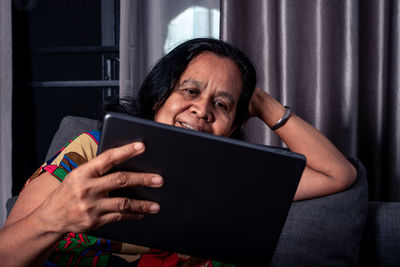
<point x="26" y="242"/>
<point x="327" y="170"/>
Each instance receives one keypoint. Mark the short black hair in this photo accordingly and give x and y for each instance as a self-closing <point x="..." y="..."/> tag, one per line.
<point x="161" y="80"/>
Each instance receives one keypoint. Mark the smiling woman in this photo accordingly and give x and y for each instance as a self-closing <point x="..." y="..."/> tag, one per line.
<point x="206" y="96"/>
<point x="195" y="69"/>
<point x="203" y="84"/>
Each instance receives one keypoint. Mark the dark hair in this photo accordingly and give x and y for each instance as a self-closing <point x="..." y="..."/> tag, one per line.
<point x="160" y="82"/>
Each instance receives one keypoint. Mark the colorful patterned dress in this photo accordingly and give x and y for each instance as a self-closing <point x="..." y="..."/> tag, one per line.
<point x="79" y="249"/>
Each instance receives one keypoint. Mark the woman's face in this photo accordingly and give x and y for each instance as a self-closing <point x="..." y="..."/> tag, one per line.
<point x="205" y="97"/>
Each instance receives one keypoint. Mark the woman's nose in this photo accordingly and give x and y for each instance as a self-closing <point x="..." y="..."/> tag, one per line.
<point x="203" y="110"/>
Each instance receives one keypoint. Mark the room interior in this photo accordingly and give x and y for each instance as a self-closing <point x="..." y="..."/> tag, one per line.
<point x="335" y="63"/>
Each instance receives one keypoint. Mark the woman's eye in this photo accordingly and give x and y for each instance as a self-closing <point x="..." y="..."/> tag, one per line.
<point x="221" y="105"/>
<point x="191" y="91"/>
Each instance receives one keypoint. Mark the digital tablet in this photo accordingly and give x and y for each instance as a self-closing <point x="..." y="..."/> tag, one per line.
<point x="222" y="198"/>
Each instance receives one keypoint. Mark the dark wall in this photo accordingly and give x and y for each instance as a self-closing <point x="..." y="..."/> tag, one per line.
<point x="44" y="42"/>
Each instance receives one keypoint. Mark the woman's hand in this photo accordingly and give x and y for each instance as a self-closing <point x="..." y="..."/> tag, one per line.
<point x="264" y="106"/>
<point x="47" y="209"/>
<point x="255" y="102"/>
<point x="81" y="201"/>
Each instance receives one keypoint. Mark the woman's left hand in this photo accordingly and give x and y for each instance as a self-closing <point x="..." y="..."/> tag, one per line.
<point x="265" y="107"/>
<point x="253" y="107"/>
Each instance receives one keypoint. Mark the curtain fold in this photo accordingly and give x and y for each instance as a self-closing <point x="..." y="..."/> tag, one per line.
<point x="336" y="64"/>
<point x="5" y="106"/>
<point x="139" y="49"/>
<point x="393" y="138"/>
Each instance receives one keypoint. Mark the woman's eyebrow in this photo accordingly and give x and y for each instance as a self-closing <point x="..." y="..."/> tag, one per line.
<point x="191" y="81"/>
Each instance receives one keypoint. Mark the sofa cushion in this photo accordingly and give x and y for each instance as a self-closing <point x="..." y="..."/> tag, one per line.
<point x="325" y="231"/>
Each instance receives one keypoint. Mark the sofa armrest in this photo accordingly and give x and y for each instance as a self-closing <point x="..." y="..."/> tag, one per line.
<point x="381" y="240"/>
<point x="325" y="231"/>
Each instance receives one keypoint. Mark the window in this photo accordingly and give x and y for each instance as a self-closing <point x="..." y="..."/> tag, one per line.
<point x="195" y="21"/>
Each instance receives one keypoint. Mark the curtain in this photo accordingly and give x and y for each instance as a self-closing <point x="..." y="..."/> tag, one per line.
<point x="147" y="32"/>
<point x="5" y="106"/>
<point x="336" y="63"/>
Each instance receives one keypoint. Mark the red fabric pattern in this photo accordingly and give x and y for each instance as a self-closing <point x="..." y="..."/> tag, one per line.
<point x="158" y="258"/>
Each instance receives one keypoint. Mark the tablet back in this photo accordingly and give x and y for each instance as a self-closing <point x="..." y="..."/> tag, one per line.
<point x="222" y="199"/>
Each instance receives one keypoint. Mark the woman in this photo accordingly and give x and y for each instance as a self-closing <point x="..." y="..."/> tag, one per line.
<point x="203" y="84"/>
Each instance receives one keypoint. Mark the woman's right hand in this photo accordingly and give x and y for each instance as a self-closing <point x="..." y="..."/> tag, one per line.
<point x="81" y="201"/>
<point x="47" y="209"/>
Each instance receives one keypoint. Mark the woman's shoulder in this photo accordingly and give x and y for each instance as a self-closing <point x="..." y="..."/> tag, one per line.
<point x="75" y="152"/>
<point x="85" y="144"/>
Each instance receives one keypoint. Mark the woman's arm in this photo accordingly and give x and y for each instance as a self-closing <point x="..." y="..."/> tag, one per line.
<point x="46" y="210"/>
<point x="327" y="170"/>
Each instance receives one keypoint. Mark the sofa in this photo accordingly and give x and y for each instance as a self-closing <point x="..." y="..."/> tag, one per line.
<point x="343" y="229"/>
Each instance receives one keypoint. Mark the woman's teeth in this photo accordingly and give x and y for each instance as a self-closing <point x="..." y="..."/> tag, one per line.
<point x="187" y="126"/>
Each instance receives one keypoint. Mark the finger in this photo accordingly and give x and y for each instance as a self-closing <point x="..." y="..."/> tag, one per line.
<point x="116" y="216"/>
<point x="111" y="157"/>
<point x="126" y="205"/>
<point x="117" y="180"/>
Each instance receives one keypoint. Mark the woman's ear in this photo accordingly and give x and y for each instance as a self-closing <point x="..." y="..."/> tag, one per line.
<point x="233" y="129"/>
<point x="238" y="124"/>
<point x="236" y="132"/>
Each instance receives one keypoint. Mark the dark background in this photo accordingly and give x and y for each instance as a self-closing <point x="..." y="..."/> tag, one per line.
<point x="61" y="41"/>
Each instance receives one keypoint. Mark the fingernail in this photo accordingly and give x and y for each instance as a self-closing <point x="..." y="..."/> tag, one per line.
<point x="154" y="208"/>
<point x="157" y="180"/>
<point x="138" y="146"/>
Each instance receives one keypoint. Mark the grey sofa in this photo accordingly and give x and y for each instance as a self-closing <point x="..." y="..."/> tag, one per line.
<point x="343" y="229"/>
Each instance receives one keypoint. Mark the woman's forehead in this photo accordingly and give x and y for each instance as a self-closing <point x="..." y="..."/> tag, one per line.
<point x="208" y="67"/>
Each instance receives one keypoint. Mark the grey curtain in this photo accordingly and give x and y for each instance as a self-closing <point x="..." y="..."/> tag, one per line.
<point x="336" y="63"/>
<point x="138" y="48"/>
<point x="5" y="106"/>
<point x="143" y="32"/>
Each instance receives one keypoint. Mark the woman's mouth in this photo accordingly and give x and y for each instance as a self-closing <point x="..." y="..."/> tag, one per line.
<point x="187" y="126"/>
